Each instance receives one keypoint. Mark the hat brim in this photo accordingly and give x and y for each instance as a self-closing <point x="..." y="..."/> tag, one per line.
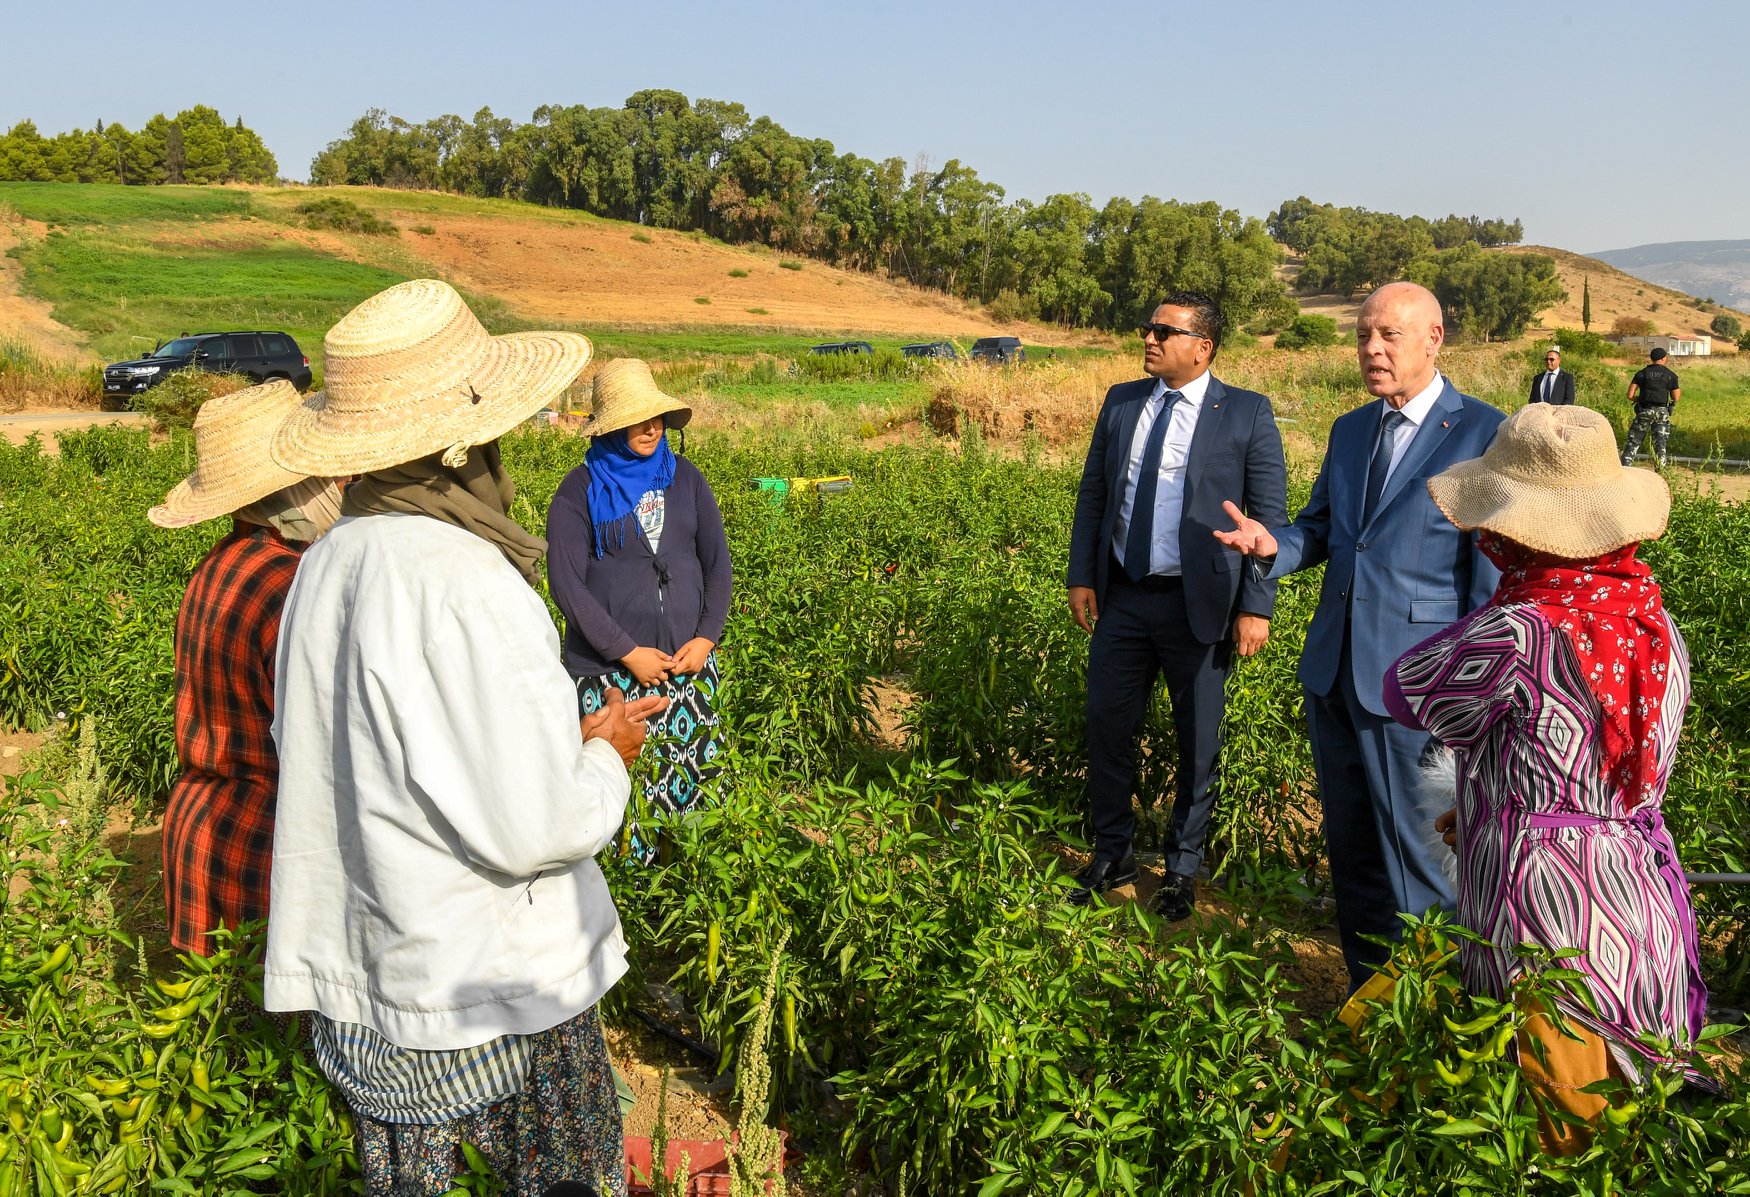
<point x="1574" y="523"/>
<point x="680" y="416"/>
<point x="197" y="498"/>
<point x="520" y="375"/>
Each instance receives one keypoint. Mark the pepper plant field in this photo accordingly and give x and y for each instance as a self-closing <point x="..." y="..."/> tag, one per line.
<point x="948" y="1024"/>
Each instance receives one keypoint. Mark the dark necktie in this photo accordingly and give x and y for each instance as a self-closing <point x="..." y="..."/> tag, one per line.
<point x="1139" y="541"/>
<point x="1549" y="386"/>
<point x="1381" y="465"/>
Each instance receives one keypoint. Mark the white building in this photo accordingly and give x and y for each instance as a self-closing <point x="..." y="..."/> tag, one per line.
<point x="1692" y="345"/>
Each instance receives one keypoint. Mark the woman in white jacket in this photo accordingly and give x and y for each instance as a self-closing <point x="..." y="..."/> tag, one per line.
<point x="435" y="898"/>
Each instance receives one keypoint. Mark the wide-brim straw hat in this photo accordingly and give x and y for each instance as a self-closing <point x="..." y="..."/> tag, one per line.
<point x="1552" y="481"/>
<point x="233" y="469"/>
<point x="626" y="394"/>
<point x="410" y="372"/>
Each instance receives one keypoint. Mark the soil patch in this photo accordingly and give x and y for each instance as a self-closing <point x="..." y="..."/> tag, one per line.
<point x="19" y="427"/>
<point x="29" y="321"/>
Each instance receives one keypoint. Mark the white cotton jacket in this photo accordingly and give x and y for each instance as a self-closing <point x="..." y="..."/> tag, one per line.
<point x="439" y="813"/>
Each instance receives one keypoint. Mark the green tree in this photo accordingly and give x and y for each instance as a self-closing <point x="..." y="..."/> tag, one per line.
<point x="1586" y="304"/>
<point x="1308" y="331"/>
<point x="206" y="145"/>
<point x="1489" y="296"/>
<point x="1726" y="326"/>
<point x="22" y="154"/>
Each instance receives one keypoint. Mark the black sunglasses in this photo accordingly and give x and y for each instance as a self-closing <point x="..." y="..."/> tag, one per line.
<point x="1163" y="331"/>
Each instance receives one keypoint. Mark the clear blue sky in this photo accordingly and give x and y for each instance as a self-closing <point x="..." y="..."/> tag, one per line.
<point x="1601" y="125"/>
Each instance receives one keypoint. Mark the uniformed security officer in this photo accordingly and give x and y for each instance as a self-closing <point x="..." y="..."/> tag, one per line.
<point x="1654" y="392"/>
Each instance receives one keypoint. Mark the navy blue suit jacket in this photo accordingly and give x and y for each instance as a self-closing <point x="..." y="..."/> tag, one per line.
<point x="1408" y="572"/>
<point x="1236" y="453"/>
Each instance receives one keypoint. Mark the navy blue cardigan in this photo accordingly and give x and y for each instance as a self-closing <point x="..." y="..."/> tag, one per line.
<point x="621" y="601"/>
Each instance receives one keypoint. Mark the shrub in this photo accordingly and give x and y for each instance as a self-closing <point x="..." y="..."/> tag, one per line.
<point x="1011" y="305"/>
<point x="1308" y="331"/>
<point x="701" y="299"/>
<point x="1274" y="316"/>
<point x="424" y="230"/>
<point x="738" y="272"/>
<point x="882" y="365"/>
<point x="758" y="312"/>
<point x="1726" y="326"/>
<point x="641" y="238"/>
<point x="1632" y="326"/>
<point x="174" y="402"/>
<point x="1580" y="344"/>
<point x="342" y="215"/>
<point x="789" y="264"/>
<point x="1744" y="341"/>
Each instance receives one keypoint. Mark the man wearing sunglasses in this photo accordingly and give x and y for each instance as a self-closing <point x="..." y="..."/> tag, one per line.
<point x="1159" y="595"/>
<point x="1554" y="385"/>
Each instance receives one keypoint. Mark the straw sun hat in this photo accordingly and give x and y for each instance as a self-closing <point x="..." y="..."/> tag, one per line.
<point x="1551" y="480"/>
<point x="233" y="469"/>
<point x="626" y="394"/>
<point x="410" y="372"/>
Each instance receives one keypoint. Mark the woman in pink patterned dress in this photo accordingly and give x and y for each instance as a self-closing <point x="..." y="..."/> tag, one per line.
<point x="1563" y="699"/>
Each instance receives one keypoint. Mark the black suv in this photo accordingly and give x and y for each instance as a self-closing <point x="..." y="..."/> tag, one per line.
<point x="998" y="351"/>
<point x="940" y="350"/>
<point x="260" y="355"/>
<point x="842" y="347"/>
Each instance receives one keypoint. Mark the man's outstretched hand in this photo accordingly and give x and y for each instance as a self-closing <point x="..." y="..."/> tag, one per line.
<point x="1249" y="536"/>
<point x="621" y="723"/>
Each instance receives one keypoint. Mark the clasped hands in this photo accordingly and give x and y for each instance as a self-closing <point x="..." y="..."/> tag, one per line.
<point x="652" y="666"/>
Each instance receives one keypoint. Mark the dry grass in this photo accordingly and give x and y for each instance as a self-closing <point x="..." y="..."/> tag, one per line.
<point x="27" y="379"/>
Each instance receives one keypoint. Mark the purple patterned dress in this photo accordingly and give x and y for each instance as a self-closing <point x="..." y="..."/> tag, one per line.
<point x="1546" y="853"/>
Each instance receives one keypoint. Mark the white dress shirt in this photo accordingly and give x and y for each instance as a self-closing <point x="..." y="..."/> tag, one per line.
<point x="1548" y="382"/>
<point x="1415" y="411"/>
<point x="1163" y="557"/>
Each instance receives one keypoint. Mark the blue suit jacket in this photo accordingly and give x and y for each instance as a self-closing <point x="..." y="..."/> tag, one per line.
<point x="1409" y="572"/>
<point x="1235" y="453"/>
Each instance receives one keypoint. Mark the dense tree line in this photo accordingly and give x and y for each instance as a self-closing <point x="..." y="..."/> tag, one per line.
<point x="665" y="161"/>
<point x="194" y="146"/>
<point x="1350" y="250"/>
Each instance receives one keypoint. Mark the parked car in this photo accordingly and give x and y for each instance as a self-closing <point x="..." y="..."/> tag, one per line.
<point x="832" y="347"/>
<point x="998" y="351"/>
<point x="259" y="355"/>
<point x="940" y="350"/>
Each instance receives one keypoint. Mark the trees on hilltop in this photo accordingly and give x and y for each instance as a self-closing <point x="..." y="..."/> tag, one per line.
<point x="195" y="146"/>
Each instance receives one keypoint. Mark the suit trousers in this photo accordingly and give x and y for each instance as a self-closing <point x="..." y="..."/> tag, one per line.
<point x="1379" y="821"/>
<point x="1143" y="634"/>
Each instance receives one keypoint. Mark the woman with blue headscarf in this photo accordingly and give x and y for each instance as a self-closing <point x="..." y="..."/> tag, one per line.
<point x="638" y="563"/>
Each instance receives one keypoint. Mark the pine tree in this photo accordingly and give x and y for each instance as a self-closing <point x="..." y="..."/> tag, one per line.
<point x="1586" y="304"/>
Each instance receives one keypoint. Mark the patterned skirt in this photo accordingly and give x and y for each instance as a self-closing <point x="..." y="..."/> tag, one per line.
<point x="564" y="1125"/>
<point x="683" y="747"/>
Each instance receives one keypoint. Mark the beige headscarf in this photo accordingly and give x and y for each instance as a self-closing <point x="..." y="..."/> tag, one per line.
<point x="475" y="497"/>
<point x="302" y="512"/>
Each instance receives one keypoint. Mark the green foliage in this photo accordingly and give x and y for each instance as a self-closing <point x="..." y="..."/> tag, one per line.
<point x="1727" y="326"/>
<point x="334" y="212"/>
<point x="738" y="272"/>
<point x="884" y="365"/>
<point x="176" y="401"/>
<point x="112" y="204"/>
<point x="1489" y="296"/>
<point x="115" y="1083"/>
<point x="642" y="238"/>
<point x="1586" y="304"/>
<point x="1632" y="326"/>
<point x="1308" y="331"/>
<point x="194" y="147"/>
<point x="789" y="264"/>
<point x="1274" y="316"/>
<point x="1581" y="344"/>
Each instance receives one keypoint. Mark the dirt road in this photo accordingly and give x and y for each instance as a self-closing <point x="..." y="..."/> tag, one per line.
<point x="19" y="427"/>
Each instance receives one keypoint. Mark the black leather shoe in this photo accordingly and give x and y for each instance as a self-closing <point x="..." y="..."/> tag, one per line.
<point x="1176" y="898"/>
<point x="1102" y="875"/>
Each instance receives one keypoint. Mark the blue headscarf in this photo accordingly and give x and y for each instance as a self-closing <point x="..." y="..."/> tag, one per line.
<point x="618" y="478"/>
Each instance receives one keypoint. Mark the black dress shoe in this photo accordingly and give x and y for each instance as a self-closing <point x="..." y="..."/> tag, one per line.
<point x="1102" y="875"/>
<point x="1176" y="898"/>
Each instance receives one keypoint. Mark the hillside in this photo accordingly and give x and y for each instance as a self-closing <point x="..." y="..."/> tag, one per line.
<point x="1616" y="294"/>
<point x="125" y="267"/>
<point x="1716" y="269"/>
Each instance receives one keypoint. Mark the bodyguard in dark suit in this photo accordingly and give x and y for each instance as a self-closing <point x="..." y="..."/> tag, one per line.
<point x="1159" y="595"/>
<point x="1396" y="571"/>
<point x="1554" y="385"/>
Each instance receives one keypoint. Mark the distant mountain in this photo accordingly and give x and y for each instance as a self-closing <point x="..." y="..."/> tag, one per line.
<point x="1718" y="270"/>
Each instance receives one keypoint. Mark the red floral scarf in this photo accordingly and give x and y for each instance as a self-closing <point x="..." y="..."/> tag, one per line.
<point x="1612" y="611"/>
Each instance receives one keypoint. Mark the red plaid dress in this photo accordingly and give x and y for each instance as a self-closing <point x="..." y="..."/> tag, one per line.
<point x="218" y="828"/>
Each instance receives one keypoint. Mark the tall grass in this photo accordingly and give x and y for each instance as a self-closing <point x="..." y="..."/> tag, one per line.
<point x="112" y="203"/>
<point x="27" y="379"/>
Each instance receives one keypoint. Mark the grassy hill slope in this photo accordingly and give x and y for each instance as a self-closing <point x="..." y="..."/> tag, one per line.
<point x="126" y="267"/>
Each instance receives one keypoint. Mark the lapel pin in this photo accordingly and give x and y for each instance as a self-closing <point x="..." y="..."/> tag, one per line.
<point x="1444" y="424"/>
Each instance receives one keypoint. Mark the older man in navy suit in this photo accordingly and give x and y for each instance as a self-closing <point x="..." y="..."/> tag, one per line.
<point x="1158" y="594"/>
<point x="1396" y="571"/>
